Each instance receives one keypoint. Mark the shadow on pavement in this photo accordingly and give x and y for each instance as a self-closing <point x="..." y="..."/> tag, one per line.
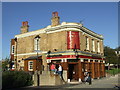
<point x="44" y="87"/>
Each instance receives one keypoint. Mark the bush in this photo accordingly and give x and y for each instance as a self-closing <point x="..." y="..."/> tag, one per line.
<point x="15" y="79"/>
<point x="113" y="71"/>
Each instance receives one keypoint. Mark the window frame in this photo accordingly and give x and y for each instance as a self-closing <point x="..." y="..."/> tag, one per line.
<point x="98" y="46"/>
<point x="93" y="45"/>
<point x="87" y="43"/>
<point x="29" y="65"/>
<point x="13" y="49"/>
<point x="35" y="44"/>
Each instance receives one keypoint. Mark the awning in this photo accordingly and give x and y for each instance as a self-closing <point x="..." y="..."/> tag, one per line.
<point x="33" y="57"/>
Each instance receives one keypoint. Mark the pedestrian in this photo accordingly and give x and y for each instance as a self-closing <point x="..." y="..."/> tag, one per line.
<point x="89" y="78"/>
<point x="85" y="75"/>
<point x="52" y="68"/>
<point x="60" y="71"/>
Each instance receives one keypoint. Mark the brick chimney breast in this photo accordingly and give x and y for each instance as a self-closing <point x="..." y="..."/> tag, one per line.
<point x="24" y="27"/>
<point x="55" y="20"/>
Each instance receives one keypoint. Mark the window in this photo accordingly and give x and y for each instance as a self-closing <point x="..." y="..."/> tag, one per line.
<point x="93" y="45"/>
<point x="30" y="65"/>
<point x="36" y="44"/>
<point x="98" y="46"/>
<point x="13" y="49"/>
<point x="87" y="43"/>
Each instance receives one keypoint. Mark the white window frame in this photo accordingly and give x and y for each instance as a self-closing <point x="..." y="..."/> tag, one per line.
<point x="13" y="49"/>
<point x="30" y="65"/>
<point x="35" y="44"/>
<point x="87" y="43"/>
<point x="98" y="46"/>
<point x="93" y="45"/>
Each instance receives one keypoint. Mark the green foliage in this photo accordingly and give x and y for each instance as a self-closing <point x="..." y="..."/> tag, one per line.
<point x="15" y="79"/>
<point x="4" y="64"/>
<point x="113" y="71"/>
<point x="110" y="55"/>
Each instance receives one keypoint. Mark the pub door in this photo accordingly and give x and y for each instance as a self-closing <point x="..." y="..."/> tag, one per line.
<point x="73" y="72"/>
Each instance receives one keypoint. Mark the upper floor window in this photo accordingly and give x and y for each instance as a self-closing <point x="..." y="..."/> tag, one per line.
<point x="87" y="43"/>
<point x="93" y="45"/>
<point x="98" y="46"/>
<point x="36" y="44"/>
<point x="30" y="65"/>
<point x="13" y="49"/>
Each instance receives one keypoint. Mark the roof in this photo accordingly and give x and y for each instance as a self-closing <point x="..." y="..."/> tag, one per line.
<point x="33" y="57"/>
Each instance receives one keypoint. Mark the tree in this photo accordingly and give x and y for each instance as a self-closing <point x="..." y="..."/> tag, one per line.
<point x="110" y="55"/>
<point x="5" y="64"/>
<point x="118" y="54"/>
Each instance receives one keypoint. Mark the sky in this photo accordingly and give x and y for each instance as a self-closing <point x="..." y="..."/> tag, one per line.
<point x="100" y="17"/>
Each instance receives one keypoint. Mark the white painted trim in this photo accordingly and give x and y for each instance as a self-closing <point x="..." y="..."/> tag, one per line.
<point x="70" y="39"/>
<point x="62" y="60"/>
<point x="65" y="60"/>
<point x="88" y="60"/>
<point x="80" y="80"/>
<point x="31" y="33"/>
<point x="103" y="61"/>
<point x="68" y="80"/>
<point x="63" y="27"/>
<point x="48" y="61"/>
<point x="73" y="29"/>
<point x="33" y="53"/>
<point x="82" y="60"/>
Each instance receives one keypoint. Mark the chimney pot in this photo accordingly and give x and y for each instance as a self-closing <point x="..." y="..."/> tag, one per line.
<point x="55" y="19"/>
<point x="24" y="27"/>
<point x="55" y="14"/>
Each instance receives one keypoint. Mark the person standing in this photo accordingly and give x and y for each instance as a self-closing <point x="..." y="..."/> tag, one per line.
<point x="60" y="70"/>
<point x="52" y="68"/>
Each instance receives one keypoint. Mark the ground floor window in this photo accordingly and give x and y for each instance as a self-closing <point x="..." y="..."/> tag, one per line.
<point x="30" y="65"/>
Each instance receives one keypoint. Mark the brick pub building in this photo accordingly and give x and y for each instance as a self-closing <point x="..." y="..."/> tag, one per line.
<point x="72" y="45"/>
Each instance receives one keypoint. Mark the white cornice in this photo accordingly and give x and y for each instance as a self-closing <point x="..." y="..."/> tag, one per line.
<point x="63" y="27"/>
<point x="32" y="53"/>
<point x="31" y="33"/>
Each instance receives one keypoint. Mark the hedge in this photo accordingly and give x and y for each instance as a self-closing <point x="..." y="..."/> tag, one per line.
<point x="15" y="79"/>
<point x="113" y="71"/>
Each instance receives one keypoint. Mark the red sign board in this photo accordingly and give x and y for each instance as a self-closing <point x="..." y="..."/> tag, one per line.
<point x="73" y="57"/>
<point x="73" y="41"/>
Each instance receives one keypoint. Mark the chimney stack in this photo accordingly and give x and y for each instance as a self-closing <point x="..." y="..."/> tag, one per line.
<point x="55" y="19"/>
<point x="24" y="27"/>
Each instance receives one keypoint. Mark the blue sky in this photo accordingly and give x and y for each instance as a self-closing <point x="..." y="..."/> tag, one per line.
<point x="100" y="17"/>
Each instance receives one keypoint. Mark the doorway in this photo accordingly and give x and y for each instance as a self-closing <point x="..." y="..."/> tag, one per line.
<point x="73" y="72"/>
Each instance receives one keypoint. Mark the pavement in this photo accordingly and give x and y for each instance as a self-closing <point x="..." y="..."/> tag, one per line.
<point x="107" y="83"/>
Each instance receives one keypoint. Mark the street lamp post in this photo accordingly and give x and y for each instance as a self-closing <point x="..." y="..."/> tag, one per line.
<point x="37" y="38"/>
<point x="16" y="52"/>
